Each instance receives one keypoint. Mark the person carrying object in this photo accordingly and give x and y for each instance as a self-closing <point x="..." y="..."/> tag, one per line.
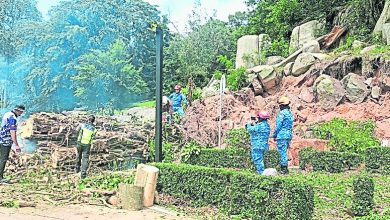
<point x="259" y="131"/>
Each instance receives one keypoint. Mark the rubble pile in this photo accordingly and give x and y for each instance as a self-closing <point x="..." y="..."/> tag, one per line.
<point x="116" y="141"/>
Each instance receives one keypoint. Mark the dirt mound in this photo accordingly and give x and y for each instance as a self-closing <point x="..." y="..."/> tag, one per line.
<point x="201" y="120"/>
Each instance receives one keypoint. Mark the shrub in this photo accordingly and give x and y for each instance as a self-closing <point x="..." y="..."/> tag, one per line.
<point x="363" y="199"/>
<point x="231" y="158"/>
<point x="238" y="138"/>
<point x="238" y="193"/>
<point x="347" y="136"/>
<point x="378" y="160"/>
<point x="221" y="158"/>
<point x="329" y="161"/>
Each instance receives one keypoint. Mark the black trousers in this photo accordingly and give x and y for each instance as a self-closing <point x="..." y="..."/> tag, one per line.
<point x="83" y="151"/>
<point x="4" y="155"/>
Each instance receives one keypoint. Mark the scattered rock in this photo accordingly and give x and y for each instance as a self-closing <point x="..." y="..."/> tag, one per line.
<point x="385" y="85"/>
<point x="257" y="87"/>
<point x="368" y="49"/>
<point x="274" y="60"/>
<point x="368" y="81"/>
<point x="357" y="44"/>
<point x="302" y="64"/>
<point x="270" y="172"/>
<point x="311" y="46"/>
<point x="307" y="95"/>
<point x="321" y="56"/>
<point x="328" y="91"/>
<point x="113" y="200"/>
<point x="355" y="87"/>
<point x="288" y="69"/>
<point x="260" y="102"/>
<point x="212" y="89"/>
<point x="375" y="92"/>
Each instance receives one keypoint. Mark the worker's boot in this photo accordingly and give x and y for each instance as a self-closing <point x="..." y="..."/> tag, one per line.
<point x="283" y="170"/>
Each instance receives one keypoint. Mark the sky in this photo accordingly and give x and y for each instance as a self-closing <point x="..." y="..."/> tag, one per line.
<point x="177" y="10"/>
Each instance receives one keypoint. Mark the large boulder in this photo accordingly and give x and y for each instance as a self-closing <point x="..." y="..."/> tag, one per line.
<point x="256" y="85"/>
<point x="212" y="89"/>
<point x="386" y="33"/>
<point x="247" y="45"/>
<point x="274" y="60"/>
<point x="355" y="87"/>
<point x="385" y="16"/>
<point x="303" y="34"/>
<point x="311" y="46"/>
<point x="287" y="70"/>
<point x="328" y="91"/>
<point x="268" y="77"/>
<point x="302" y="64"/>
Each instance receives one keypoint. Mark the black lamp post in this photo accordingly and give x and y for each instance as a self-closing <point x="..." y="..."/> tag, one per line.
<point x="159" y="66"/>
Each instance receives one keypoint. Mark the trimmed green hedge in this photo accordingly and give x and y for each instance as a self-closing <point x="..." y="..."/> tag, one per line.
<point x="363" y="199"/>
<point x="329" y="161"/>
<point x="231" y="158"/>
<point x="378" y="160"/>
<point x="238" y="193"/>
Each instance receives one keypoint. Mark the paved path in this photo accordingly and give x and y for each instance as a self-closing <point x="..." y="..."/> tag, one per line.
<point x="82" y="212"/>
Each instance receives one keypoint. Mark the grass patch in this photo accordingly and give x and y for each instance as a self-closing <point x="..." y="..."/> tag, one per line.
<point x="145" y="104"/>
<point x="333" y="194"/>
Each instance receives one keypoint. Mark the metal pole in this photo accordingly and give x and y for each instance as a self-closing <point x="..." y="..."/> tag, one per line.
<point x="222" y="86"/>
<point x="159" y="65"/>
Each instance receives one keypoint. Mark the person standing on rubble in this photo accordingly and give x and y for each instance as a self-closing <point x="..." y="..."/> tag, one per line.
<point x="259" y="132"/>
<point x="8" y="137"/>
<point x="86" y="133"/>
<point x="283" y="132"/>
<point x="178" y="99"/>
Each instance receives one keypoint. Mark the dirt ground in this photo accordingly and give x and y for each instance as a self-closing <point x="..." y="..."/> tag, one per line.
<point x="79" y="212"/>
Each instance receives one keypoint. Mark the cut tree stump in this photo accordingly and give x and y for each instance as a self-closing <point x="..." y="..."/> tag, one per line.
<point x="146" y="177"/>
<point x="130" y="196"/>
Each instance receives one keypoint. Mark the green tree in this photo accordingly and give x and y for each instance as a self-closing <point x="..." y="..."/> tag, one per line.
<point x="12" y="14"/>
<point x="107" y="79"/>
<point x="194" y="54"/>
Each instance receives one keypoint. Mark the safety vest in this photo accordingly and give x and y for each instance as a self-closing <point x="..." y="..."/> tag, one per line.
<point x="86" y="134"/>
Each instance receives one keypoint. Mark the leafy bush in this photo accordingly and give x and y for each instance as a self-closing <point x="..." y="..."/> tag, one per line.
<point x="347" y="136"/>
<point x="238" y="193"/>
<point x="107" y="181"/>
<point x="363" y="199"/>
<point x="329" y="161"/>
<point x="378" y="160"/>
<point x="221" y="158"/>
<point x="235" y="78"/>
<point x="196" y="92"/>
<point x="168" y="151"/>
<point x="231" y="158"/>
<point x="238" y="138"/>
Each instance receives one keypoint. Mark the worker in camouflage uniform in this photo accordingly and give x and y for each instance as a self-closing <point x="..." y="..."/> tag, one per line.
<point x="283" y="132"/>
<point x="178" y="99"/>
<point x="86" y="131"/>
<point x="259" y="132"/>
